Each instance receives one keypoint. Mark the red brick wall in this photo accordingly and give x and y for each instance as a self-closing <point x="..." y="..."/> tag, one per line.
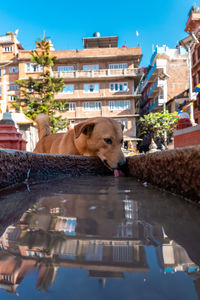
<point x="187" y="138"/>
<point x="178" y="81"/>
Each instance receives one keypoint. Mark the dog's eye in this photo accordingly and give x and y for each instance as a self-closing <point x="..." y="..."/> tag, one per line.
<point x="108" y="141"/>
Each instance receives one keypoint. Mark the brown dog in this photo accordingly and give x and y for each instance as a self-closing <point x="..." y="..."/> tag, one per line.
<point x="102" y="137"/>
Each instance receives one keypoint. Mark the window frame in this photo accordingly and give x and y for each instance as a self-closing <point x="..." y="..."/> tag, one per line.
<point x="31" y="68"/>
<point x="12" y="96"/>
<point x="88" y="91"/>
<point x="124" y="122"/>
<point x="118" y="87"/>
<point x="93" y="67"/>
<point x="118" y="66"/>
<point x="68" y="91"/>
<point x="68" y="68"/>
<point x="8" y="49"/>
<point x="13" y="85"/>
<point x="13" y="70"/>
<point x="71" y="106"/>
<point x="116" y="105"/>
<point x="97" y="106"/>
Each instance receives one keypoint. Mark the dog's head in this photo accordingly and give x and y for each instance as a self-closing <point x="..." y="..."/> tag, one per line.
<point x="102" y="137"/>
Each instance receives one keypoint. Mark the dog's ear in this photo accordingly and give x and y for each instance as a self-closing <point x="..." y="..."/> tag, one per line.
<point x="85" y="128"/>
<point x="122" y="125"/>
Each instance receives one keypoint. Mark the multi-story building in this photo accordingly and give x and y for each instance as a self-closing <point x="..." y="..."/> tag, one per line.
<point x="193" y="28"/>
<point x="100" y="80"/>
<point x="165" y="84"/>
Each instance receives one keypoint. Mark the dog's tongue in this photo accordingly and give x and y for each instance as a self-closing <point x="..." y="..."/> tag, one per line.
<point x="118" y="173"/>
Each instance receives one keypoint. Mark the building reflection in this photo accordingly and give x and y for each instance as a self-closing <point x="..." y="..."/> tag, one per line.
<point x="107" y="238"/>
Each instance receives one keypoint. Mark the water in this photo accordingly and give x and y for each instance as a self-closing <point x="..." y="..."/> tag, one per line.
<point x="98" y="238"/>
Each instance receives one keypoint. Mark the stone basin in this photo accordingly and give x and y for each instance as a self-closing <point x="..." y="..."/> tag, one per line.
<point x="177" y="171"/>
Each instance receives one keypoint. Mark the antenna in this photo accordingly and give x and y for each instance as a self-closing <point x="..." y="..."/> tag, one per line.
<point x="43" y="34"/>
<point x="137" y="34"/>
<point x="16" y="32"/>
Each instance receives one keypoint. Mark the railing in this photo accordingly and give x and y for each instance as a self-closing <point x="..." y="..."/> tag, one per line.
<point x="156" y="67"/>
<point x="99" y="73"/>
<point x="155" y="85"/>
<point x="152" y="88"/>
<point x="153" y="106"/>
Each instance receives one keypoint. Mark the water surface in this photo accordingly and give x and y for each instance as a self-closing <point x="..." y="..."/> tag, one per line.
<point x="98" y="238"/>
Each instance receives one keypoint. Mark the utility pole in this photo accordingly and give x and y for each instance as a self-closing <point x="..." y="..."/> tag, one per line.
<point x="189" y="43"/>
<point x="190" y="83"/>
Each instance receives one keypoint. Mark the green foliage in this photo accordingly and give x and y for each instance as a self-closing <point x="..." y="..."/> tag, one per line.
<point x="157" y="123"/>
<point x="37" y="95"/>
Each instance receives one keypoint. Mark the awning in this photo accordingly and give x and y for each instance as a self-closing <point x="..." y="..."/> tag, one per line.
<point x="130" y="138"/>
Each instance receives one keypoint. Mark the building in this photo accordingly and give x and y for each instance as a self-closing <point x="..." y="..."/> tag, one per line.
<point x="166" y="81"/>
<point x="193" y="28"/>
<point x="100" y="80"/>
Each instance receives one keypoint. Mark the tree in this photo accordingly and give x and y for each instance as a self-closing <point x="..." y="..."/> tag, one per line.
<point x="37" y="95"/>
<point x="158" y="124"/>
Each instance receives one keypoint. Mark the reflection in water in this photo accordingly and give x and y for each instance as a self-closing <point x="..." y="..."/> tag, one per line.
<point x="112" y="228"/>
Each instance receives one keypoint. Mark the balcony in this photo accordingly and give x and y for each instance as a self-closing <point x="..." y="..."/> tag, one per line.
<point x="99" y="74"/>
<point x="156" y="71"/>
<point x="156" y="106"/>
<point x="154" y="89"/>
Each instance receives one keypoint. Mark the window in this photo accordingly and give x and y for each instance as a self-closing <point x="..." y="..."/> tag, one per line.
<point x="119" y="87"/>
<point x="118" y="66"/>
<point x="119" y="105"/>
<point x="161" y="95"/>
<point x="65" y="68"/>
<point x="6" y="277"/>
<point x="90" y="67"/>
<point x="12" y="98"/>
<point x="91" y="106"/>
<point x="68" y="89"/>
<point x="8" y="49"/>
<point x="13" y="87"/>
<point x="31" y="68"/>
<point x="91" y="88"/>
<point x="124" y="122"/>
<point x="13" y="70"/>
<point x="71" y="106"/>
<point x="30" y="87"/>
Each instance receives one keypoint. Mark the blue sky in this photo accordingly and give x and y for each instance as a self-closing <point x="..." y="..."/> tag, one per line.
<point x="66" y="22"/>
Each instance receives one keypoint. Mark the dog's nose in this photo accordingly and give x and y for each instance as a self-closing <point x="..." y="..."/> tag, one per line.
<point x="122" y="163"/>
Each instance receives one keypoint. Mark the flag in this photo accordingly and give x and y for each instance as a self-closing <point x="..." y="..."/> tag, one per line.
<point x="197" y="88"/>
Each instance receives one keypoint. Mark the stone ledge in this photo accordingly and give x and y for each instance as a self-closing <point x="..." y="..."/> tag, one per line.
<point x="19" y="166"/>
<point x="177" y="171"/>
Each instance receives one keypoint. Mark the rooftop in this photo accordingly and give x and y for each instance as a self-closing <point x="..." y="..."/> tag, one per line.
<point x="10" y="39"/>
<point x="100" y="42"/>
<point x="86" y="54"/>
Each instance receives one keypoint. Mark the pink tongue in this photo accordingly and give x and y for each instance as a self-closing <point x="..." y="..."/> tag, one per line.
<point x="118" y="173"/>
